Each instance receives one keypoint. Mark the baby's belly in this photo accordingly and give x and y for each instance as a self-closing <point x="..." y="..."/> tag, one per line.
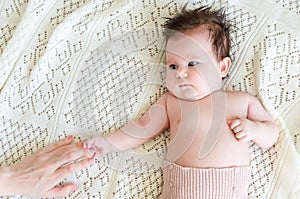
<point x="225" y="152"/>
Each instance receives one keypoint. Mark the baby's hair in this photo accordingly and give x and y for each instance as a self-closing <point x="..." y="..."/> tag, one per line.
<point x="214" y="21"/>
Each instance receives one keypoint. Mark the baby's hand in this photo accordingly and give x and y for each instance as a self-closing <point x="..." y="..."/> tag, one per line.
<point x="244" y="130"/>
<point x="99" y="145"/>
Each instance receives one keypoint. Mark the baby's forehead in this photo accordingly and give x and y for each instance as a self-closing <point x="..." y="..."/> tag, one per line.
<point x="192" y="43"/>
<point x="196" y="39"/>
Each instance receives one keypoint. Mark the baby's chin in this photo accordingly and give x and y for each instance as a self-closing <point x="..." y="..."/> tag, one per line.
<point x="189" y="96"/>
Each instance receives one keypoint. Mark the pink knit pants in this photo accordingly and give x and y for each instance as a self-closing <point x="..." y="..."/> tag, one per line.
<point x="205" y="183"/>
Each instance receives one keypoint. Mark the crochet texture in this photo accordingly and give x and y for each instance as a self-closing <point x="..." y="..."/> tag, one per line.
<point x="85" y="67"/>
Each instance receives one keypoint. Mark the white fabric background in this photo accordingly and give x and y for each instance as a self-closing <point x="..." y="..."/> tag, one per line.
<point x="87" y="67"/>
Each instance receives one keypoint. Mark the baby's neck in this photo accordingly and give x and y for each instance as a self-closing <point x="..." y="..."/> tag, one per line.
<point x="205" y="95"/>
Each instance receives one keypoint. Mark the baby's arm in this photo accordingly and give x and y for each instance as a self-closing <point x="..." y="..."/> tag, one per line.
<point x="258" y="126"/>
<point x="134" y="133"/>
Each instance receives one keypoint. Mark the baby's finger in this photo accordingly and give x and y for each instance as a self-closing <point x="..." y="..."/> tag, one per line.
<point x="240" y="135"/>
<point x="237" y="129"/>
<point x="234" y="123"/>
<point x="87" y="144"/>
<point x="244" y="139"/>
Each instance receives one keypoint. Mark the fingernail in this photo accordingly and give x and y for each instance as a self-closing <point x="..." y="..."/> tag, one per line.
<point x="70" y="137"/>
<point x="90" y="153"/>
<point x="74" y="189"/>
<point x="92" y="159"/>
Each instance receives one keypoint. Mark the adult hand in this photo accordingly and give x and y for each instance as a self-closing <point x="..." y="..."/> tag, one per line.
<point x="39" y="174"/>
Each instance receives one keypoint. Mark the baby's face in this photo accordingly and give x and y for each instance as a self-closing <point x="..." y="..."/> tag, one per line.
<point x="192" y="68"/>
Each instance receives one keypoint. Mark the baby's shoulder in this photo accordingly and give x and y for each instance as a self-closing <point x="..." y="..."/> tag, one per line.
<point x="165" y="98"/>
<point x="238" y="95"/>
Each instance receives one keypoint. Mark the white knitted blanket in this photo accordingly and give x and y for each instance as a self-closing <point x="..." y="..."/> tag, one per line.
<point x="87" y="67"/>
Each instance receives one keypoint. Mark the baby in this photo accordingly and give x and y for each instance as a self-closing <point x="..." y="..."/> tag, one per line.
<point x="210" y="129"/>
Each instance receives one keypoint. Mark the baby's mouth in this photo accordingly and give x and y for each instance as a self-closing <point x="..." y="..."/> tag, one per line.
<point x="184" y="85"/>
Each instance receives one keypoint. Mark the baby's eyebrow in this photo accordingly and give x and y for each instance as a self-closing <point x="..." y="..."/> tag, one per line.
<point x="194" y="57"/>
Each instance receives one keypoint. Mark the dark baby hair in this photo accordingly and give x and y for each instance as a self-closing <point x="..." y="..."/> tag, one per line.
<point x="214" y="21"/>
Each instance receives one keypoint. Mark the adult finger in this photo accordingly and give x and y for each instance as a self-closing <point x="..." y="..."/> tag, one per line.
<point x="61" y="191"/>
<point x="66" y="170"/>
<point x="61" y="173"/>
<point x="63" y="142"/>
<point x="70" y="153"/>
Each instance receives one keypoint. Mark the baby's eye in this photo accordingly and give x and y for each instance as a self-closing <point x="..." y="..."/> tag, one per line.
<point x="173" y="66"/>
<point x="193" y="63"/>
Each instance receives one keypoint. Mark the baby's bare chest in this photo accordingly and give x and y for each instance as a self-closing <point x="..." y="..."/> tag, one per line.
<point x="205" y="116"/>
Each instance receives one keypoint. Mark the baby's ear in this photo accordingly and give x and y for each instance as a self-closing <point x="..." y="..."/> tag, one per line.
<point x="224" y="66"/>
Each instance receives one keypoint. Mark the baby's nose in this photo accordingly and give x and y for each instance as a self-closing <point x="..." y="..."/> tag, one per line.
<point x="181" y="72"/>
